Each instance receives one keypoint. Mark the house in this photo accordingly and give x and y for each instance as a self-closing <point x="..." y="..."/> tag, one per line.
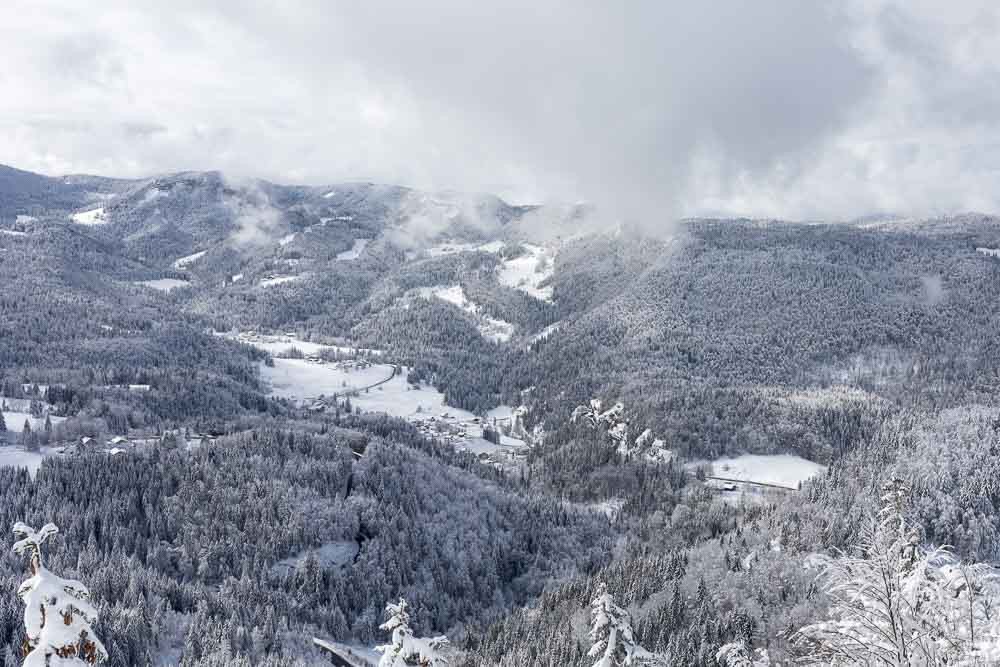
<point x="86" y="444"/>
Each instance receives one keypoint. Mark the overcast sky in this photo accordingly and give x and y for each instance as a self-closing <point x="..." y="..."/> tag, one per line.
<point x="653" y="110"/>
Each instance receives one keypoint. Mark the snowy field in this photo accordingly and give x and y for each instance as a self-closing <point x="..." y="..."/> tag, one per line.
<point x="496" y="330"/>
<point x="354" y="252"/>
<point x="331" y="554"/>
<point x="451" y="247"/>
<point x="189" y="259"/>
<point x="780" y="469"/>
<point x="15" y="457"/>
<point x="478" y="445"/>
<point x="398" y="399"/>
<point x="279" y="280"/>
<point x="500" y="412"/>
<point x="285" y="240"/>
<point x="92" y="217"/>
<point x="15" y="420"/>
<point x="11" y="232"/>
<point x="164" y="284"/>
<point x="528" y="271"/>
<point x="277" y="344"/>
<point x="299" y="379"/>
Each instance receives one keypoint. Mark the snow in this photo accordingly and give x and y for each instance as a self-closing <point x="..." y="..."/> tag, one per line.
<point x="15" y="420"/>
<point x="331" y="554"/>
<point x="277" y="344"/>
<point x="94" y="216"/>
<point x="992" y="252"/>
<point x="285" y="240"/>
<point x="46" y="595"/>
<point x="609" y="508"/>
<point x="398" y="399"/>
<point x="500" y="412"/>
<point x="16" y="457"/>
<point x="450" y="249"/>
<point x="779" y="469"/>
<point x="11" y="457"/>
<point x="479" y="445"/>
<point x="453" y="247"/>
<point x="23" y="219"/>
<point x="528" y="271"/>
<point x="492" y="246"/>
<point x="299" y="379"/>
<point x="824" y="397"/>
<point x="184" y="261"/>
<point x="354" y="252"/>
<point x="357" y="656"/>
<point x="279" y="280"/>
<point x="152" y="195"/>
<point x="491" y="328"/>
<point x="545" y="333"/>
<point x="453" y="294"/>
<point x="236" y="277"/>
<point x="11" y="232"/>
<point x="331" y="193"/>
<point x="164" y="284"/>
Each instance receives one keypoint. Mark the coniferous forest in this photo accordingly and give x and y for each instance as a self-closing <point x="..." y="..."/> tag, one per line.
<point x="491" y="444"/>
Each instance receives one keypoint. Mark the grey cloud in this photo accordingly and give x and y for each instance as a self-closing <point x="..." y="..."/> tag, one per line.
<point x="650" y="110"/>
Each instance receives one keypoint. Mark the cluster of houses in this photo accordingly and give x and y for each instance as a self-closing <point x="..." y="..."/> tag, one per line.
<point x="121" y="444"/>
<point x="464" y="434"/>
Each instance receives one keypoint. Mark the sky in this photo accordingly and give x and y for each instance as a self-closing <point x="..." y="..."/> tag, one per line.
<point x="651" y="111"/>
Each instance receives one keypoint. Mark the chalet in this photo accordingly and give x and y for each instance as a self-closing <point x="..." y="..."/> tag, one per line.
<point x="86" y="445"/>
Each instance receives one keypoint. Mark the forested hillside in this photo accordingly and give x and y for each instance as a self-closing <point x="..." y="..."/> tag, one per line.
<point x="261" y="413"/>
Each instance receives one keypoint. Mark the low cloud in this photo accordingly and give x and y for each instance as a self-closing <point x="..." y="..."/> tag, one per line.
<point x="649" y="110"/>
<point x="258" y="223"/>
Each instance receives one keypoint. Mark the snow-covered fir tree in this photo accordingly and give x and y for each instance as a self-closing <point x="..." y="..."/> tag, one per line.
<point x="739" y="654"/>
<point x="896" y="602"/>
<point x="57" y="612"/>
<point x="405" y="650"/>
<point x="611" y="633"/>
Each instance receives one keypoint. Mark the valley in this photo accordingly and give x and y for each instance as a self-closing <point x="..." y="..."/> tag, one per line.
<point x="378" y="392"/>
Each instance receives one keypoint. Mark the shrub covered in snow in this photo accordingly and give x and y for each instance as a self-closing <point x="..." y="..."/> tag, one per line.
<point x="405" y="650"/>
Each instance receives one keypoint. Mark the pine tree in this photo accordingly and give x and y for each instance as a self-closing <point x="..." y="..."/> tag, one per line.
<point x="611" y="633"/>
<point x="738" y="654"/>
<point x="3" y="424"/>
<point x="898" y="603"/>
<point x="405" y="649"/>
<point x="57" y="612"/>
<point x="28" y="440"/>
